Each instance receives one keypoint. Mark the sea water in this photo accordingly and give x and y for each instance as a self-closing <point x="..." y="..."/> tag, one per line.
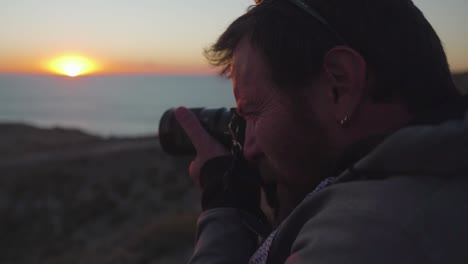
<point x="116" y="105"/>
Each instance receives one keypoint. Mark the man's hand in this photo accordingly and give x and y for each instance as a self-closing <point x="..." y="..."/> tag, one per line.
<point x="206" y="146"/>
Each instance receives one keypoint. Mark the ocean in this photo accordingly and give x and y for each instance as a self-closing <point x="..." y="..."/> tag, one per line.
<point x="117" y="105"/>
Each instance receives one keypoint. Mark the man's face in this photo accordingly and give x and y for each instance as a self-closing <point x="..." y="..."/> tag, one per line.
<point x="283" y="137"/>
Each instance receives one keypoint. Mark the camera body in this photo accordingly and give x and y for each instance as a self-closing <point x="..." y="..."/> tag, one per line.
<point x="223" y="124"/>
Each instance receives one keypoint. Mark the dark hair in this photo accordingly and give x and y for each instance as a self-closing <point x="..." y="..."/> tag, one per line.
<point x="401" y="48"/>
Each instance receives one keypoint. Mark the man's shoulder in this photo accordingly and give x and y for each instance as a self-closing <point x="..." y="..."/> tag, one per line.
<point x="424" y="212"/>
<point x="399" y="199"/>
<point x="402" y="200"/>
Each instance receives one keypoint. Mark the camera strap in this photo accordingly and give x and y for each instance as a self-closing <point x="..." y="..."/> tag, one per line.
<point x="236" y="131"/>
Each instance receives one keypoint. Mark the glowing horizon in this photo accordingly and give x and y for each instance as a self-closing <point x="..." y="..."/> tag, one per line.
<point x="93" y="65"/>
<point x="72" y="65"/>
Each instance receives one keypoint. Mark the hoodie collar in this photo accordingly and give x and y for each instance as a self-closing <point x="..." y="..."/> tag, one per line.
<point x="435" y="142"/>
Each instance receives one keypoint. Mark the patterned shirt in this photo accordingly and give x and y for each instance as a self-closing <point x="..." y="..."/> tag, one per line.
<point x="260" y="256"/>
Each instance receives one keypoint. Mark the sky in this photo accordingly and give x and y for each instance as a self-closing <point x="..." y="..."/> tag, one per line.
<point x="155" y="36"/>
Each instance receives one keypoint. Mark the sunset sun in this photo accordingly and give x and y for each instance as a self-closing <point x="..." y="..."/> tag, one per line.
<point x="72" y="65"/>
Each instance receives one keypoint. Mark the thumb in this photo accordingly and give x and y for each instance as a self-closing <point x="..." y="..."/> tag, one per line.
<point x="192" y="127"/>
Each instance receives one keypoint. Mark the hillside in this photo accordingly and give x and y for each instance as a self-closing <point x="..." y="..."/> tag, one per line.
<point x="69" y="197"/>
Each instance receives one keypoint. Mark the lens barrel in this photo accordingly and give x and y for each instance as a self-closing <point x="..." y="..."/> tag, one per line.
<point x="175" y="141"/>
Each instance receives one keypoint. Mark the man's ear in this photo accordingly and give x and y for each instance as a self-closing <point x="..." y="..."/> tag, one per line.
<point x="346" y="72"/>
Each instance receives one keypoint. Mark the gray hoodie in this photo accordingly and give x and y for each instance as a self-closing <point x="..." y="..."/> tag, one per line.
<point x="408" y="204"/>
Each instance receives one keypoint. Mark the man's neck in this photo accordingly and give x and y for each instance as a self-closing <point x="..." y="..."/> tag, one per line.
<point x="287" y="201"/>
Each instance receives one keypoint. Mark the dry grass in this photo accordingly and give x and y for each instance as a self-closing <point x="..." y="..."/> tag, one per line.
<point x="88" y="209"/>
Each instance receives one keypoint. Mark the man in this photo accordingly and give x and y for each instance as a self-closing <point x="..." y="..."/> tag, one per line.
<point x="350" y="105"/>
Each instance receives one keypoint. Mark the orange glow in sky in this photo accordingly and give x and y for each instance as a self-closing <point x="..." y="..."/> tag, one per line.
<point x="72" y="65"/>
<point x="158" y="42"/>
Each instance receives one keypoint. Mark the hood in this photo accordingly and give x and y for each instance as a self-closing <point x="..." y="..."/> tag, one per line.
<point x="439" y="150"/>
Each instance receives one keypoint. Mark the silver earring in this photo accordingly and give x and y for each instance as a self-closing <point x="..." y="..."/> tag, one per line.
<point x="344" y="121"/>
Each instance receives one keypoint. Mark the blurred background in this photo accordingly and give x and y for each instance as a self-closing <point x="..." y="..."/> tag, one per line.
<point x="83" y="85"/>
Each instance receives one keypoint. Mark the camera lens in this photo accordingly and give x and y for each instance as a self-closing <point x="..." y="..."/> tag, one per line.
<point x="175" y="141"/>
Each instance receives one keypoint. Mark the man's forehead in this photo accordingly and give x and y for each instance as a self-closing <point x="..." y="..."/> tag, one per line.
<point x="240" y="59"/>
<point x="246" y="57"/>
<point x="248" y="69"/>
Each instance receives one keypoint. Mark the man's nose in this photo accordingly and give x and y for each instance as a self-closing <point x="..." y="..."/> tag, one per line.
<point x="251" y="148"/>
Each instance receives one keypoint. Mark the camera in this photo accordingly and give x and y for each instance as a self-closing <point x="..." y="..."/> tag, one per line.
<point x="223" y="124"/>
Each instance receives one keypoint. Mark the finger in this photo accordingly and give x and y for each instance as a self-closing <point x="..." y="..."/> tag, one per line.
<point x="189" y="122"/>
<point x="193" y="173"/>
